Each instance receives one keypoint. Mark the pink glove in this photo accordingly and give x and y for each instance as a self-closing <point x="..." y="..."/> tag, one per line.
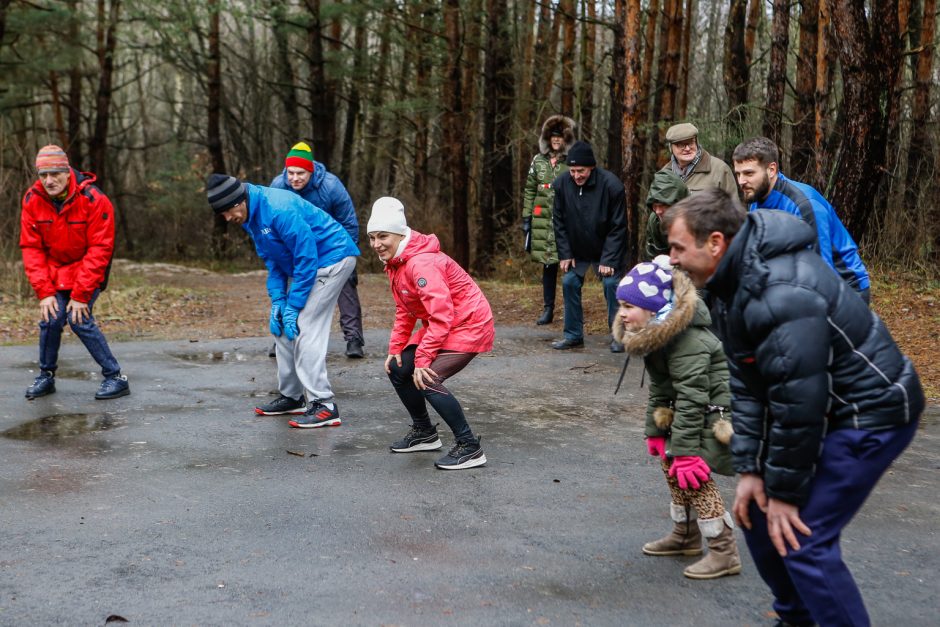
<point x="656" y="445"/>
<point x="690" y="470"/>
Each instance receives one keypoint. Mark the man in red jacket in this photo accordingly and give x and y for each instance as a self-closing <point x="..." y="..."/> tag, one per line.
<point x="67" y="238"/>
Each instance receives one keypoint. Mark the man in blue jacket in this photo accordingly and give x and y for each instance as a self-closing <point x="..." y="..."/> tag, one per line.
<point x="309" y="257"/>
<point x="822" y="398"/>
<point x="756" y="166"/>
<point x="322" y="189"/>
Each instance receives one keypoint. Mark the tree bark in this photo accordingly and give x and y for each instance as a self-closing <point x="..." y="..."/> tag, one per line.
<point x="632" y="162"/>
<point x="920" y="157"/>
<point x="74" y="145"/>
<point x="454" y="134"/>
<point x="355" y="99"/>
<point x="106" y="44"/>
<point x="777" y="75"/>
<point x="566" y="15"/>
<point x="683" y="109"/>
<point x="823" y="82"/>
<point x="213" y="127"/>
<point x="801" y="154"/>
<point x="285" y="72"/>
<point x="588" y="45"/>
<point x="615" y="147"/>
<point x="672" y="53"/>
<point x="737" y="71"/>
<point x="869" y="56"/>
<point x="322" y="110"/>
<point x="497" y="211"/>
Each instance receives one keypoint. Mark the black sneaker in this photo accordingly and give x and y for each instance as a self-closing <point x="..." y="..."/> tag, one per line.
<point x="282" y="405"/>
<point x="113" y="387"/>
<point x="318" y="415"/>
<point x="43" y="385"/>
<point x="464" y="455"/>
<point x="417" y="440"/>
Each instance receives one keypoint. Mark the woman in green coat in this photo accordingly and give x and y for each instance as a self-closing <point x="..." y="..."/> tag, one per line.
<point x="688" y="419"/>
<point x="556" y="138"/>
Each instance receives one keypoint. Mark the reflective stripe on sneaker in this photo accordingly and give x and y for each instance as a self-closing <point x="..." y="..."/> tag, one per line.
<point x="317" y="416"/>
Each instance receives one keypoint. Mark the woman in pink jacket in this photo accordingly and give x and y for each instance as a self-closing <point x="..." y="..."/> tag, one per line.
<point x="456" y="325"/>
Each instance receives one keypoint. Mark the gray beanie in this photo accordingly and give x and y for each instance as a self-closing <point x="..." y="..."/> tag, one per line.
<point x="224" y="192"/>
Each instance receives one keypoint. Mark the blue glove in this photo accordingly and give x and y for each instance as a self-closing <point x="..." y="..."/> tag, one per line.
<point x="289" y="318"/>
<point x="275" y="324"/>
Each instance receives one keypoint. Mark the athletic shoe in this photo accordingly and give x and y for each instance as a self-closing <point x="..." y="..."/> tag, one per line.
<point x="318" y="415"/>
<point x="464" y="455"/>
<point x="417" y="440"/>
<point x="43" y="385"/>
<point x="113" y="387"/>
<point x="282" y="405"/>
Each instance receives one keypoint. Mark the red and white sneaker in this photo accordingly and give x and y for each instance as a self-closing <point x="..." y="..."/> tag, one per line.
<point x="318" y="415"/>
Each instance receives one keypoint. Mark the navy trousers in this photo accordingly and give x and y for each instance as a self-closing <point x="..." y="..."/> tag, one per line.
<point x="571" y="284"/>
<point x="50" y="337"/>
<point x="813" y="585"/>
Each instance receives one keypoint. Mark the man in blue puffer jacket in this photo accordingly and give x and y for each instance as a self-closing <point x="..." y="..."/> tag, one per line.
<point x="309" y="257"/>
<point x="757" y="169"/>
<point x="322" y="189"/>
<point x="822" y="398"/>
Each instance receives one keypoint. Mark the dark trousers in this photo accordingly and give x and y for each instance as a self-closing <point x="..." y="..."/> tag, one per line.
<point x="350" y="311"/>
<point x="549" y="280"/>
<point x="446" y="365"/>
<point x="814" y="584"/>
<point x="571" y="284"/>
<point x="50" y="338"/>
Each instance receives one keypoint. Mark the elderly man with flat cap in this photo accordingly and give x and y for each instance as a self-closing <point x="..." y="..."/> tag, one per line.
<point x="309" y="257"/>
<point x="697" y="168"/>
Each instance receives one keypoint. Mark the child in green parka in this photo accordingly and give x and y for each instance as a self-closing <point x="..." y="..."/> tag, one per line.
<point x="688" y="423"/>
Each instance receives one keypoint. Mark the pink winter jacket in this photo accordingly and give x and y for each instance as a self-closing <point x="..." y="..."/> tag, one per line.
<point x="431" y="287"/>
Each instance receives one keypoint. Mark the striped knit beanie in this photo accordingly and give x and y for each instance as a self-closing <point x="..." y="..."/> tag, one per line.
<point x="224" y="192"/>
<point x="51" y="158"/>
<point x="300" y="156"/>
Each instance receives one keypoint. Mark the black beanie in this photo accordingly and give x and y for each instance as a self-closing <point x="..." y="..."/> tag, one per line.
<point x="224" y="192"/>
<point x="581" y="154"/>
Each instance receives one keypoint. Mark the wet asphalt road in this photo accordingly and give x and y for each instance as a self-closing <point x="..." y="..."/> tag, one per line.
<point x="177" y="505"/>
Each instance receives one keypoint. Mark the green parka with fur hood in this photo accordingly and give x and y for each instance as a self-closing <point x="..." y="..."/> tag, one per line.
<point x="688" y="373"/>
<point x="539" y="196"/>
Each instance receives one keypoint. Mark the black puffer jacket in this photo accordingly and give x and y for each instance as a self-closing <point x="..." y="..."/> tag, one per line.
<point x="806" y="355"/>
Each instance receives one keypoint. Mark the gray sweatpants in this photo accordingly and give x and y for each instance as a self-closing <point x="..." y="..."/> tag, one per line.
<point x="301" y="364"/>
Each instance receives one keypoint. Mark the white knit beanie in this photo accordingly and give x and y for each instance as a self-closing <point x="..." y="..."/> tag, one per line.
<point x="388" y="215"/>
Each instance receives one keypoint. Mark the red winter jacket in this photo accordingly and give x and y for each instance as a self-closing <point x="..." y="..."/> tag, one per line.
<point x="431" y="287"/>
<point x="71" y="249"/>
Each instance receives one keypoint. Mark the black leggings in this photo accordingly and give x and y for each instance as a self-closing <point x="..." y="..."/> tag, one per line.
<point x="549" y="280"/>
<point x="446" y="365"/>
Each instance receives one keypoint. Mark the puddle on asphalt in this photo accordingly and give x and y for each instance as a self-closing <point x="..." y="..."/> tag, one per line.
<point x="61" y="427"/>
<point x="212" y="357"/>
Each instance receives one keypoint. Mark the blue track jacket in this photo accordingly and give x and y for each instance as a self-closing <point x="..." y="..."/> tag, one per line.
<point x="324" y="190"/>
<point x="834" y="243"/>
<point x="295" y="239"/>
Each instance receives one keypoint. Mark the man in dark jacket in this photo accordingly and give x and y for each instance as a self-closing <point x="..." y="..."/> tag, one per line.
<point x="590" y="231"/>
<point x="822" y="398"/>
<point x="323" y="189"/>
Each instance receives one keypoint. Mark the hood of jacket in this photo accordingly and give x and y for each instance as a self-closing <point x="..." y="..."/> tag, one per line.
<point x="562" y="123"/>
<point x="418" y="244"/>
<point x="765" y="234"/>
<point x="688" y="310"/>
<point x="666" y="189"/>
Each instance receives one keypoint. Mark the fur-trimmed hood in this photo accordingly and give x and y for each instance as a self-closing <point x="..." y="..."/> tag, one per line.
<point x="687" y="310"/>
<point x="562" y="123"/>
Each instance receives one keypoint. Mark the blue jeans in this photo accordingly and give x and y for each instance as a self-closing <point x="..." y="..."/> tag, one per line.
<point x="571" y="284"/>
<point x="50" y="338"/>
<point x="813" y="585"/>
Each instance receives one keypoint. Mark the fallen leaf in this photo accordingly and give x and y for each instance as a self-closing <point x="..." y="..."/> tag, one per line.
<point x="297" y="453"/>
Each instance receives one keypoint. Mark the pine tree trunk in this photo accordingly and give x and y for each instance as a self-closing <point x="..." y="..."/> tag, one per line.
<point x="801" y="155"/>
<point x="355" y="101"/>
<point x="615" y="147"/>
<point x="566" y="15"/>
<point x="321" y="89"/>
<point x="214" y="126"/>
<point x="672" y="53"/>
<point x="684" y="64"/>
<point x="632" y="164"/>
<point x="777" y="75"/>
<point x="588" y="45"/>
<point x="920" y="158"/>
<point x="285" y="71"/>
<point x="74" y="145"/>
<point x="737" y="72"/>
<point x="107" y="42"/>
<point x="869" y="56"/>
<point x="453" y="128"/>
<point x="823" y="83"/>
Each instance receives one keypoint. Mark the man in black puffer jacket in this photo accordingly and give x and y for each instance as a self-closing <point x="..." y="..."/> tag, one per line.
<point x="822" y="398"/>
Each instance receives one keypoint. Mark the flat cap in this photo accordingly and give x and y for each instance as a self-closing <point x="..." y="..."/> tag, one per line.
<point x="681" y="132"/>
